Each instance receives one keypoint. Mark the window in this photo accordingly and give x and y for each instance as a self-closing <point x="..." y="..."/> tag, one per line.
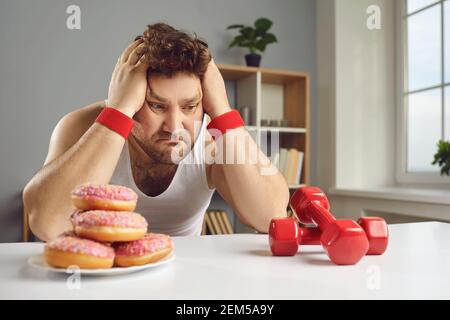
<point x="425" y="79"/>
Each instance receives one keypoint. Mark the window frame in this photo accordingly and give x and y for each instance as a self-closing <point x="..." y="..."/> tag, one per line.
<point x="402" y="175"/>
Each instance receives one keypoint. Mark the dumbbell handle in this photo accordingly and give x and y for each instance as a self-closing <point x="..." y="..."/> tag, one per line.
<point x="312" y="207"/>
<point x="319" y="215"/>
<point x="309" y="236"/>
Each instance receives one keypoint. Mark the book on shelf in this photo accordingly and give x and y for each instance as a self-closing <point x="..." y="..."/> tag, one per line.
<point x="290" y="164"/>
<point x="227" y="222"/>
<point x="220" y="221"/>
<point x="215" y="222"/>
<point x="209" y="226"/>
<point x="276" y="159"/>
<point x="203" y="228"/>
<point x="298" y="173"/>
<point x="283" y="158"/>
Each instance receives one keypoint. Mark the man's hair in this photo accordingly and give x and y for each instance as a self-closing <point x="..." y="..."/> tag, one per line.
<point x="170" y="51"/>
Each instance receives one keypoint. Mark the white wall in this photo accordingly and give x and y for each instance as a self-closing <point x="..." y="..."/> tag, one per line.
<point x="355" y="95"/>
<point x="365" y="100"/>
<point x="326" y="94"/>
<point x="356" y="102"/>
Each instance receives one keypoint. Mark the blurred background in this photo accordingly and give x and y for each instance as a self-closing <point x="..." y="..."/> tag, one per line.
<point x="378" y="72"/>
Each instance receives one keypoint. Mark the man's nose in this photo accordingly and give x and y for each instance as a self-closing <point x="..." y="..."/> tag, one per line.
<point x="172" y="122"/>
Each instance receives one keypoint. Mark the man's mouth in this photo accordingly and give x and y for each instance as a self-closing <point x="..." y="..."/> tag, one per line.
<point x="168" y="141"/>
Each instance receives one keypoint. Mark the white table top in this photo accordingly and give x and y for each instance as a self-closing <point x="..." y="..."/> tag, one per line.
<point x="415" y="266"/>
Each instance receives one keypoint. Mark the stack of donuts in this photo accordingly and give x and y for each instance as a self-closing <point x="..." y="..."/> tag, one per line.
<point x="106" y="232"/>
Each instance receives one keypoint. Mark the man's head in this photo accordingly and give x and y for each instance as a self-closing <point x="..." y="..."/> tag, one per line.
<point x="173" y="105"/>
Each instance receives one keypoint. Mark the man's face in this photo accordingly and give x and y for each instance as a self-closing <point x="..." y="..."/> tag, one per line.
<point x="170" y="119"/>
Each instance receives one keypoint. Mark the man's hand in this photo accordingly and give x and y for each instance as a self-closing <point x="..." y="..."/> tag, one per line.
<point x="215" y="101"/>
<point x="129" y="80"/>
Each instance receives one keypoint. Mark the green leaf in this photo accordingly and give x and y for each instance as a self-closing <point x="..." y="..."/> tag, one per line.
<point x="247" y="44"/>
<point x="260" y="45"/>
<point x="248" y="32"/>
<point x="270" y="38"/>
<point x="260" y="33"/>
<point x="236" y="41"/>
<point x="263" y="24"/>
<point x="442" y="157"/>
<point x="235" y="26"/>
<point x="445" y="169"/>
<point x="233" y="43"/>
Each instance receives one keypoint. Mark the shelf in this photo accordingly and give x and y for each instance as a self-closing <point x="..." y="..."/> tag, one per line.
<point x="279" y="129"/>
<point x="296" y="186"/>
<point x="284" y="129"/>
<point x="276" y="76"/>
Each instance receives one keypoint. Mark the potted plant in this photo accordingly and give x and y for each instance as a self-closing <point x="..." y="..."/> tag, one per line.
<point x="254" y="38"/>
<point x="442" y="157"/>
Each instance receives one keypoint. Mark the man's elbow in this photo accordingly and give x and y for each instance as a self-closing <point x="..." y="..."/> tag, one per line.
<point x="37" y="223"/>
<point x="263" y="223"/>
<point x="40" y="229"/>
<point x="277" y="209"/>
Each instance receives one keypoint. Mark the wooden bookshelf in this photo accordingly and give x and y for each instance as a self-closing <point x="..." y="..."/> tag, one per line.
<point x="274" y="94"/>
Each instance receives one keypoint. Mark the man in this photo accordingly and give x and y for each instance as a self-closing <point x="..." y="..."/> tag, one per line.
<point x="166" y="81"/>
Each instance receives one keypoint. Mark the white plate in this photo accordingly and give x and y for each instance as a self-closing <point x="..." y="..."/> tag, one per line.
<point x="39" y="262"/>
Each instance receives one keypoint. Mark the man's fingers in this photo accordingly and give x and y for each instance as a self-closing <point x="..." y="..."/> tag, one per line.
<point x="141" y="64"/>
<point x="136" y="54"/>
<point x="129" y="49"/>
<point x="119" y="60"/>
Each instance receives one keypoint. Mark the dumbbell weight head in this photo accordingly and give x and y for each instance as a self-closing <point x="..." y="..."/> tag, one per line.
<point x="377" y="233"/>
<point x="283" y="236"/>
<point x="345" y="242"/>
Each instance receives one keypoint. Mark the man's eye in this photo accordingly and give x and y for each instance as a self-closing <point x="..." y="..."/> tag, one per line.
<point x="156" y="106"/>
<point x="190" y="108"/>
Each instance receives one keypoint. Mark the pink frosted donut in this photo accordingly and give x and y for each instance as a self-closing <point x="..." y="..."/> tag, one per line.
<point x="104" y="197"/>
<point x="109" y="226"/>
<point x="151" y="248"/>
<point x="68" y="250"/>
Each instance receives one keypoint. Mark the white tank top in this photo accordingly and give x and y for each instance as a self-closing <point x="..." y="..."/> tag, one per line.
<point x="180" y="209"/>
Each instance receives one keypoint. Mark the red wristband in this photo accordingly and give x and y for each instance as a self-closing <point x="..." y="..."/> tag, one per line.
<point x="116" y="121"/>
<point x="227" y="121"/>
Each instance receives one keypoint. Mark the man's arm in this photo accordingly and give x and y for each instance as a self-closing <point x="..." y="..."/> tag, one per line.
<point x="255" y="188"/>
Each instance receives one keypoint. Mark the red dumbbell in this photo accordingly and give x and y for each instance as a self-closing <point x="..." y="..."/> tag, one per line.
<point x="344" y="241"/>
<point x="285" y="235"/>
<point x="376" y="228"/>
